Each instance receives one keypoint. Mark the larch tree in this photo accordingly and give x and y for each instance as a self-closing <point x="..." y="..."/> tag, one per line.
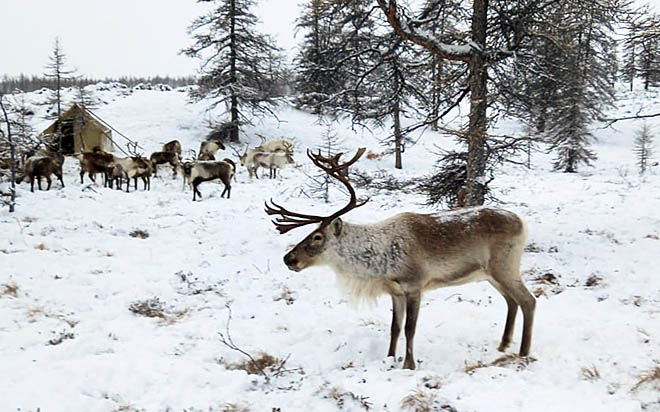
<point x="317" y="77"/>
<point x="643" y="147"/>
<point x="240" y="67"/>
<point x="57" y="70"/>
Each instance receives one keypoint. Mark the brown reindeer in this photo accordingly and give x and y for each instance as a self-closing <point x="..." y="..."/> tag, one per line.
<point x="173" y="146"/>
<point x="410" y="253"/>
<point x="95" y="162"/>
<point x="43" y="166"/>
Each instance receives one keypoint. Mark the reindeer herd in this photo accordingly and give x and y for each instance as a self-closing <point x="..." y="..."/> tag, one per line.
<point x="203" y="167"/>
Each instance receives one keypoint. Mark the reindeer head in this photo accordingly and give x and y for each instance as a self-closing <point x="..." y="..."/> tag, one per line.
<point x="310" y="251"/>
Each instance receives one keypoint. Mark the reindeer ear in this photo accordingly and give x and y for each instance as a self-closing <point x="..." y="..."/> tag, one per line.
<point x="337" y="225"/>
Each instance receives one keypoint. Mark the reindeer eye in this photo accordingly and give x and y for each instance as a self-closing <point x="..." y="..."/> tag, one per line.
<point x="317" y="237"/>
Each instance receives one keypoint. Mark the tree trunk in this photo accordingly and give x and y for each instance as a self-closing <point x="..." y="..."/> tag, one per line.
<point x="233" y="135"/>
<point x="474" y="189"/>
<point x="12" y="159"/>
<point x="397" y="135"/>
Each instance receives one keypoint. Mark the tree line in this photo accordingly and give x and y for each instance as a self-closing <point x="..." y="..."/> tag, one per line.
<point x="29" y="83"/>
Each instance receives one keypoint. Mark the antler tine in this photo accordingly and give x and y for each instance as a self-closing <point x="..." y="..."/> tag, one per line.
<point x="289" y="220"/>
<point x="333" y="171"/>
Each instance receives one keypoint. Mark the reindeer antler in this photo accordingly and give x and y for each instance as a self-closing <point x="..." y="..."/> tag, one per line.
<point x="291" y="220"/>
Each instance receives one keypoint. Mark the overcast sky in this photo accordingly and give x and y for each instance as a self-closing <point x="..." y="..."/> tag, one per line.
<point x="102" y="38"/>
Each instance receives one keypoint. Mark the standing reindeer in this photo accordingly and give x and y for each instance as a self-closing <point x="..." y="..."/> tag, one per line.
<point x="410" y="253"/>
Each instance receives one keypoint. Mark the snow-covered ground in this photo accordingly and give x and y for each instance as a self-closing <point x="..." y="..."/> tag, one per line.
<point x="79" y="267"/>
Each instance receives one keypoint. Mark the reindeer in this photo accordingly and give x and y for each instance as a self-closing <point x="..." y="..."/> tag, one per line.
<point x="43" y="166"/>
<point x="173" y="147"/>
<point x="131" y="168"/>
<point x="211" y="170"/>
<point x="208" y="149"/>
<point x="95" y="162"/>
<point x="410" y="253"/>
<point x="164" y="157"/>
<point x="278" y="155"/>
<point x="276" y="145"/>
<point x="272" y="161"/>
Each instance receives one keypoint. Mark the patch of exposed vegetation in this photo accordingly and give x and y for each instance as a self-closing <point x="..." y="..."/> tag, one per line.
<point x="341" y="397"/>
<point x="139" y="233"/>
<point x="235" y="407"/>
<point x="9" y="289"/>
<point x="510" y="361"/>
<point x="61" y="338"/>
<point x="593" y="281"/>
<point x="649" y="379"/>
<point x="590" y="374"/>
<point x="194" y="286"/>
<point x="154" y="308"/>
<point x="547" y="283"/>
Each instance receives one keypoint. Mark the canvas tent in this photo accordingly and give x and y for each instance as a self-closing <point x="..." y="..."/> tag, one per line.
<point x="80" y="131"/>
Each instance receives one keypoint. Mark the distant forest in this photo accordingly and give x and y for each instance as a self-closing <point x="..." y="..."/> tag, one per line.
<point x="30" y="83"/>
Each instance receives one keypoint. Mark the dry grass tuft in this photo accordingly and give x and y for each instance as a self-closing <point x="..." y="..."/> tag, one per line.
<point x="139" y="233"/>
<point x="548" y="283"/>
<point x="154" y="308"/>
<point x="9" y="289"/>
<point x="259" y="365"/>
<point x="40" y="246"/>
<point x="341" y="397"/>
<point x="590" y="374"/>
<point x="419" y="401"/>
<point x="235" y="407"/>
<point x="510" y="361"/>
<point x="651" y="378"/>
<point x="593" y="281"/>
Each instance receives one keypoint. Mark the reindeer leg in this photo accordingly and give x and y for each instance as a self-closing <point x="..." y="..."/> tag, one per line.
<point x="49" y="183"/>
<point x="61" y="180"/>
<point x="196" y="183"/>
<point x="398" y="311"/>
<point x="512" y="309"/>
<point x="527" y="302"/>
<point x="32" y="184"/>
<point x="412" y="311"/>
<point x="82" y="173"/>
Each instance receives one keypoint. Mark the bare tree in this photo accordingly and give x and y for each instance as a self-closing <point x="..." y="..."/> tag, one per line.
<point x="12" y="162"/>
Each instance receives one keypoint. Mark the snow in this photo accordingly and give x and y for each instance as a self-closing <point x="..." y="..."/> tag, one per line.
<point x="72" y="265"/>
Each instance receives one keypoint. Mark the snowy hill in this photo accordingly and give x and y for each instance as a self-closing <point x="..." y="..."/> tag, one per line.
<point x="114" y="301"/>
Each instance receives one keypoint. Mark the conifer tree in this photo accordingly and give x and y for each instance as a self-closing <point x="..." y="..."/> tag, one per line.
<point x="240" y="67"/>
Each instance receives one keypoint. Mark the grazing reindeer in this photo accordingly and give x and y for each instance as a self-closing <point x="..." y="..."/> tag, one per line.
<point x="410" y="253"/>
<point x="95" y="162"/>
<point x="43" y="166"/>
<point x="160" y="158"/>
